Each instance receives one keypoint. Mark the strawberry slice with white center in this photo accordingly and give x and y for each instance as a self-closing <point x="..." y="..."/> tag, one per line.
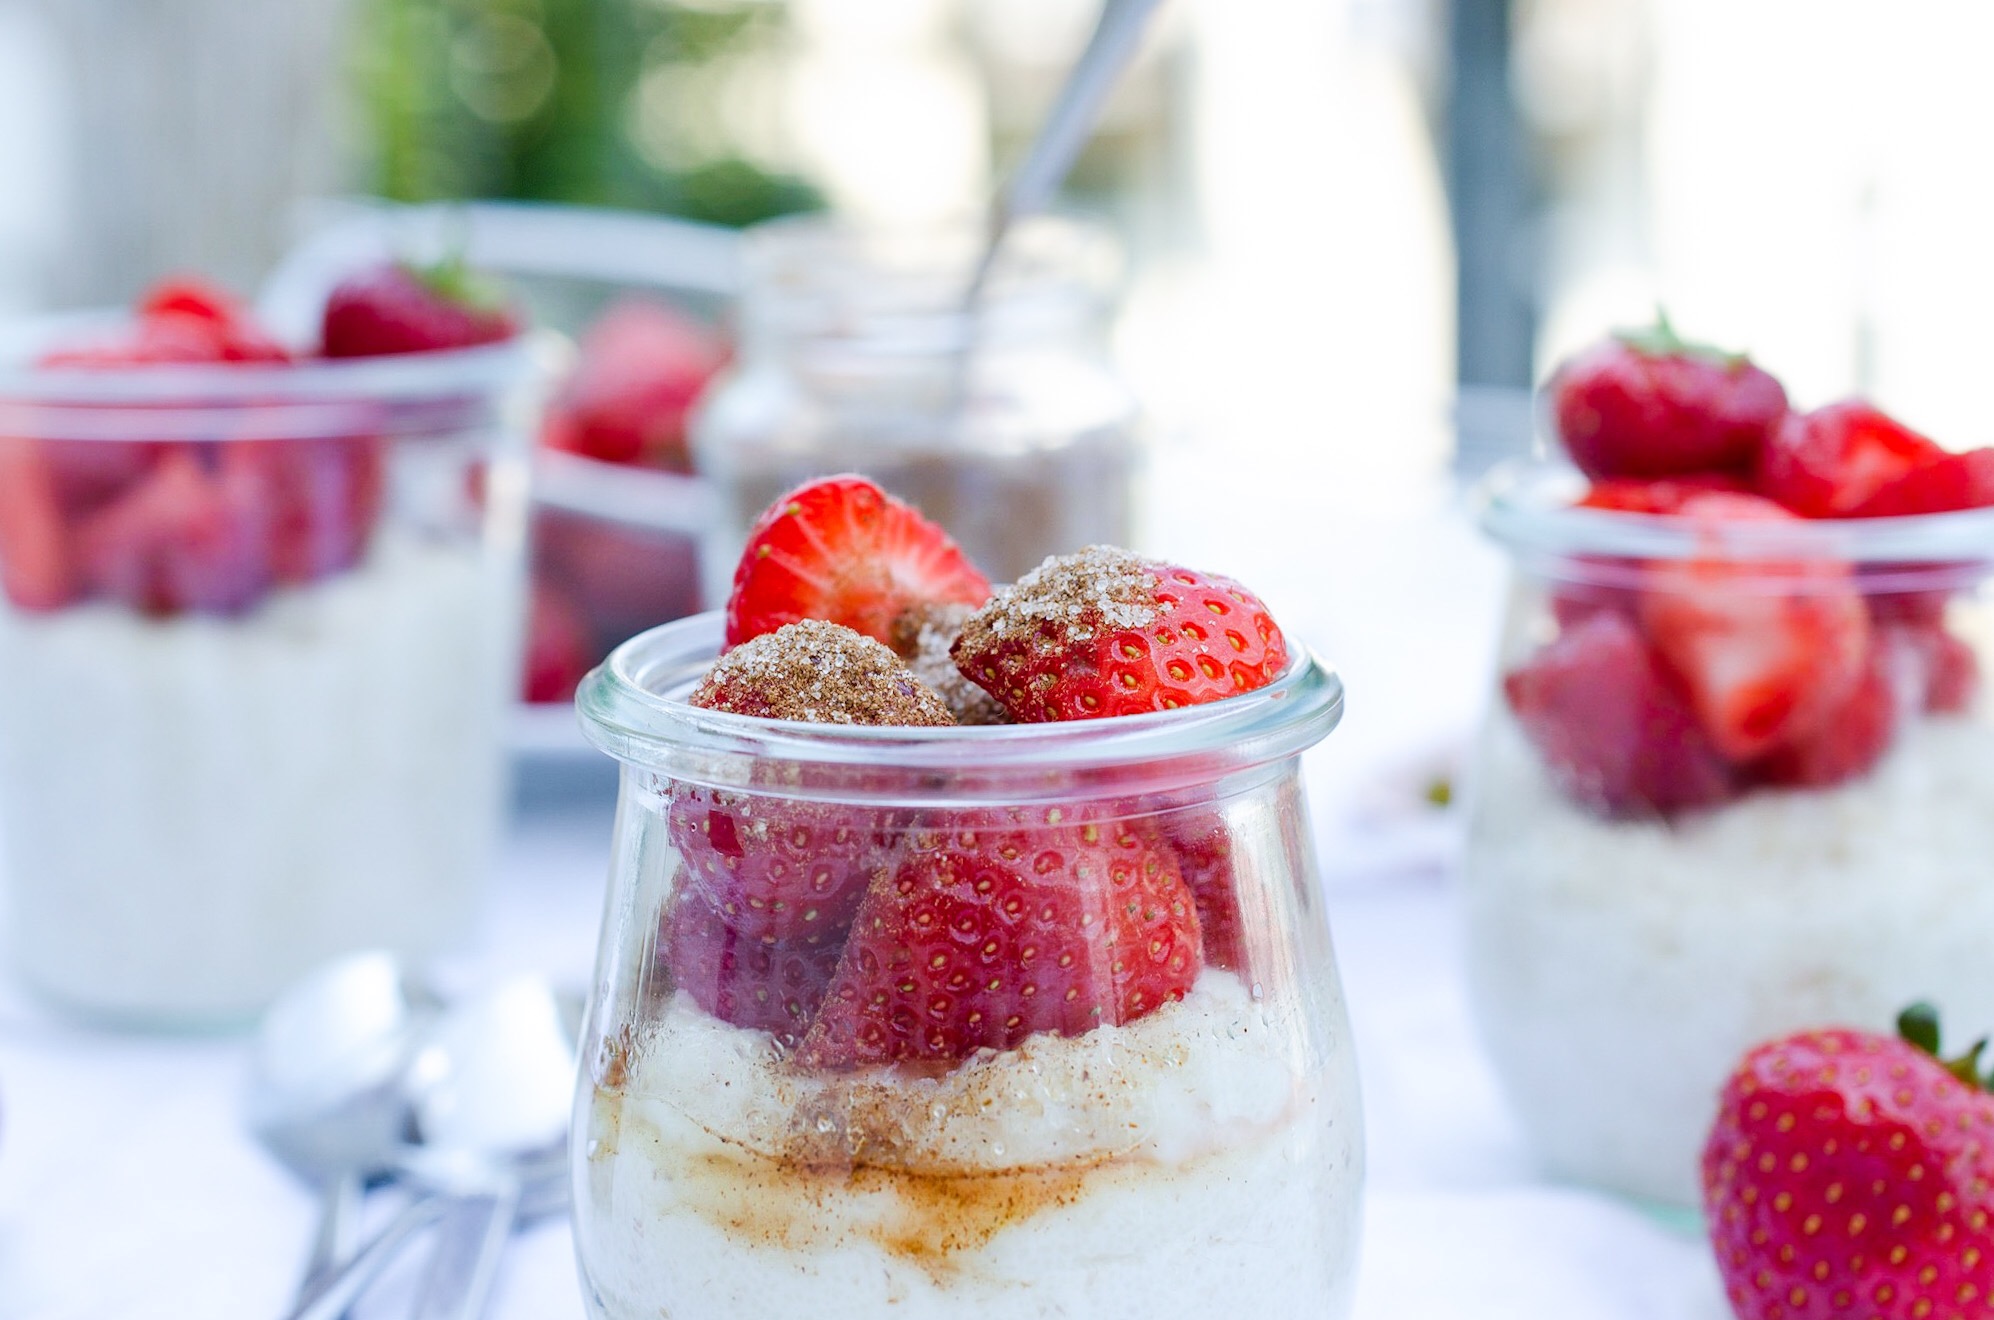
<point x="1768" y="649"/>
<point x="36" y="567"/>
<point x="842" y="550"/>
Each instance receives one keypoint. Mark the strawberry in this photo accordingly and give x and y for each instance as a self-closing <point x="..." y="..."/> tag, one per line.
<point x="818" y="673"/>
<point x="1941" y="671"/>
<point x="36" y="567"/>
<point x="184" y="321"/>
<point x="183" y="539"/>
<point x="1852" y="1174"/>
<point x="1945" y="484"/>
<point x="1105" y="632"/>
<point x="623" y="579"/>
<point x="1202" y="842"/>
<point x="1614" y="727"/>
<point x="1648" y="404"/>
<point x="323" y="497"/>
<point x="1849" y="742"/>
<point x="760" y="985"/>
<point x="1768" y="650"/>
<point x="1000" y="924"/>
<point x="842" y="550"/>
<point x="1828" y="463"/>
<point x="641" y="367"/>
<point x="779" y="870"/>
<point x="1664" y="495"/>
<point x="402" y="308"/>
<point x="558" y="649"/>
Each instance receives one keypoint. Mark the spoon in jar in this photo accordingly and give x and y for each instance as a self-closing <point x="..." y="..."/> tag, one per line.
<point x="325" y="1092"/>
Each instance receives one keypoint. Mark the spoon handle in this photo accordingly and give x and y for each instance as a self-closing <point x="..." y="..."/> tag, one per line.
<point x="464" y="1263"/>
<point x="338" y="1214"/>
<point x="340" y="1287"/>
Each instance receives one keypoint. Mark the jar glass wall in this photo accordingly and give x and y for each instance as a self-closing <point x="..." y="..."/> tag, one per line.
<point x="257" y="639"/>
<point x="729" y="1158"/>
<point x="1011" y="428"/>
<point x="1661" y="874"/>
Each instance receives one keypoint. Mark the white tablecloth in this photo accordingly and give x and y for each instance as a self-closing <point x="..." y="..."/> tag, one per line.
<point x="129" y="1189"/>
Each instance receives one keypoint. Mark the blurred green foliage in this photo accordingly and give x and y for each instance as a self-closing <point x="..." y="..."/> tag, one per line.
<point x="539" y="99"/>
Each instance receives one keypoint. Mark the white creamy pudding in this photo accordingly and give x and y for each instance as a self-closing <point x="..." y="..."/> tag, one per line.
<point x="1176" y="1166"/>
<point x="1620" y="969"/>
<point x="199" y="809"/>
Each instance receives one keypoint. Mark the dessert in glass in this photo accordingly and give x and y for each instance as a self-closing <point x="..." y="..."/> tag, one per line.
<point x="1738" y="775"/>
<point x="1012" y="428"/>
<point x="258" y="633"/>
<point x="899" y="1014"/>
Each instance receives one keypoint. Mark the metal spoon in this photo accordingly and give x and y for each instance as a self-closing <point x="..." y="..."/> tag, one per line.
<point x="325" y="1089"/>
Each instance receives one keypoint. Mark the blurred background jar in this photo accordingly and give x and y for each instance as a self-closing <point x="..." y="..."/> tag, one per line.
<point x="1007" y="423"/>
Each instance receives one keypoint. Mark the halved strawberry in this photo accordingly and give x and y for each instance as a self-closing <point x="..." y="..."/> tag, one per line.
<point x="1001" y="924"/>
<point x="1615" y="729"/>
<point x="1849" y="742"/>
<point x="1768" y="650"/>
<point x="180" y="320"/>
<point x="1939" y="671"/>
<point x="1662" y="495"/>
<point x="323" y="497"/>
<point x="1945" y="484"/>
<point x="36" y="565"/>
<point x="1828" y="463"/>
<point x="183" y="539"/>
<point x="1202" y="840"/>
<point x="757" y="984"/>
<point x="558" y="649"/>
<point x="842" y="550"/>
<point x="641" y="367"/>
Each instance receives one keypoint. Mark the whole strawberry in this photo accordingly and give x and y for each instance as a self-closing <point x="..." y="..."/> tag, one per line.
<point x="400" y="308"/>
<point x="1107" y="632"/>
<point x="1852" y="1174"/>
<point x="1649" y="404"/>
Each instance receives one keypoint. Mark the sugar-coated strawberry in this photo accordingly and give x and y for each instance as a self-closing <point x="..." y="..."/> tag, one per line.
<point x="641" y="367"/>
<point x="558" y="649"/>
<point x="1648" y="404"/>
<point x="185" y="538"/>
<point x="842" y="550"/>
<point x="400" y="308"/>
<point x="1000" y="924"/>
<point x="758" y="984"/>
<point x="323" y="497"/>
<point x="779" y="869"/>
<point x="1851" y="1174"/>
<point x="923" y="636"/>
<point x="1106" y="632"/>
<point x="1850" y="741"/>
<point x="1946" y="484"/>
<point x="36" y="565"/>
<point x="1613" y="726"/>
<point x="1828" y="463"/>
<point x="819" y="673"/>
<point x="1767" y="650"/>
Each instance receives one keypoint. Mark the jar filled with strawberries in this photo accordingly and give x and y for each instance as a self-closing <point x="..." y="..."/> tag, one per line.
<point x="1738" y="773"/>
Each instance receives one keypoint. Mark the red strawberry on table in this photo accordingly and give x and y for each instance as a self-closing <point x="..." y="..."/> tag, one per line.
<point x="842" y="550"/>
<point x="1613" y="726"/>
<point x="1106" y="632"/>
<point x="1852" y="1174"/>
<point x="758" y="984"/>
<point x="641" y="367"/>
<point x="1649" y="404"/>
<point x="1767" y="649"/>
<point x="1830" y="462"/>
<point x="1001" y="924"/>
<point x="403" y="308"/>
<point x="1945" y="484"/>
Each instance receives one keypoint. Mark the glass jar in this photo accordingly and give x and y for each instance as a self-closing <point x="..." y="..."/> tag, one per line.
<point x="733" y="1169"/>
<point x="259" y="631"/>
<point x="1665" y="870"/>
<point x="1011" y="429"/>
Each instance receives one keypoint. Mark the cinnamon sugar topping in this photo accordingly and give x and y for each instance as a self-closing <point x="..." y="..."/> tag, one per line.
<point x="1070" y="598"/>
<point x="922" y="636"/>
<point x="819" y="673"/>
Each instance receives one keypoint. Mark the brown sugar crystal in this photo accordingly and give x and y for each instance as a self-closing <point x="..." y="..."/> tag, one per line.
<point x="922" y="636"/>
<point x="819" y="673"/>
<point x="1068" y="598"/>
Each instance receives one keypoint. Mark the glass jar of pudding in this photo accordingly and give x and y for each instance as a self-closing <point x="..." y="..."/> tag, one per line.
<point x="996" y="1127"/>
<point x="1011" y="427"/>
<point x="259" y="629"/>
<point x="1737" y="779"/>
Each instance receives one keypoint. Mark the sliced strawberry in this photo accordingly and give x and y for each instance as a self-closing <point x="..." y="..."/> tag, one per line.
<point x="1002" y="924"/>
<point x="91" y="473"/>
<point x="1846" y="745"/>
<point x="323" y="497"/>
<point x="1945" y="484"/>
<point x="1768" y="650"/>
<point x="843" y="550"/>
<point x="36" y="565"/>
<point x="1939" y="672"/>
<point x="1828" y="463"/>
<point x="180" y="321"/>
<point x="558" y="649"/>
<point x="1203" y="844"/>
<point x="1614" y="728"/>
<point x="779" y="870"/>
<point x="1662" y="495"/>
<point x="182" y="539"/>
<point x="760" y="985"/>
<point x="641" y="367"/>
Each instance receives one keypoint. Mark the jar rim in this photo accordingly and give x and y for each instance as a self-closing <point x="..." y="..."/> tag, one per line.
<point x="1530" y="507"/>
<point x="632" y="707"/>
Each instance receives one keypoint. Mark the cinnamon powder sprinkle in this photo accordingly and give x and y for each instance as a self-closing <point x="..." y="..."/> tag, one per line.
<point x="1069" y="598"/>
<point x="819" y="673"/>
<point x="922" y="636"/>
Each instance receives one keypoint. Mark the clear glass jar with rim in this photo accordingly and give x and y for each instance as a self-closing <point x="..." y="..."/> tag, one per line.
<point x="725" y="1162"/>
<point x="1011" y="428"/>
<point x="1669" y="860"/>
<point x="258" y="637"/>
